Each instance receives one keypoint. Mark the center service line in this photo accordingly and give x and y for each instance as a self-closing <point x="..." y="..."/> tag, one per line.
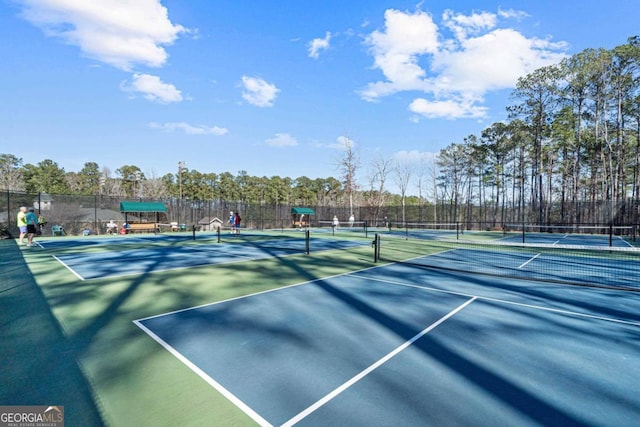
<point x="371" y="368"/>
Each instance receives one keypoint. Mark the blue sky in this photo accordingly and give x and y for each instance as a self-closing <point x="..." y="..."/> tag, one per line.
<point x="273" y="87"/>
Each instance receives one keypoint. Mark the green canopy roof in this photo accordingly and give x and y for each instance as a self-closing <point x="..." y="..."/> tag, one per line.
<point x="142" y="207"/>
<point x="306" y="211"/>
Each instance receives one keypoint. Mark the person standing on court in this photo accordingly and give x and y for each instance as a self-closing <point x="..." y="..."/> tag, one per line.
<point x="336" y="223"/>
<point x="352" y="219"/>
<point x="236" y="223"/>
<point x="22" y="223"/>
<point x="232" y="222"/>
<point x="41" y="223"/>
<point x="32" y="225"/>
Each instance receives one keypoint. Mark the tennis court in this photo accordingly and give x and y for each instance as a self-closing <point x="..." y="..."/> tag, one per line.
<point x="586" y="265"/>
<point x="615" y="236"/>
<point x="434" y="333"/>
<point x="160" y="253"/>
<point x="390" y="346"/>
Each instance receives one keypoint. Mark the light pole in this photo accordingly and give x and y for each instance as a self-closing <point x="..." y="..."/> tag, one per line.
<point x="181" y="165"/>
<point x="136" y="193"/>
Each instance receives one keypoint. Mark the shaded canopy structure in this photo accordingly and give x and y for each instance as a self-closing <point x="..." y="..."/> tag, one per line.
<point x="143" y="209"/>
<point x="300" y="216"/>
<point x="301" y="211"/>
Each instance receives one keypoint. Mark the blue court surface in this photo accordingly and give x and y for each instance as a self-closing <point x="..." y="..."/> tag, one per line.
<point x="569" y="239"/>
<point x="91" y="241"/>
<point x="591" y="268"/>
<point x="513" y="237"/>
<point x="154" y="258"/>
<point x="398" y="345"/>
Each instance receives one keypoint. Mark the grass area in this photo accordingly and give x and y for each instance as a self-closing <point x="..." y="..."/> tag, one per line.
<point x="96" y="362"/>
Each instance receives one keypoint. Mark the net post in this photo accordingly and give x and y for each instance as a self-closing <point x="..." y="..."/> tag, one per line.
<point x="457" y="231"/>
<point x="193" y="228"/>
<point x="611" y="234"/>
<point x="366" y="227"/>
<point x="218" y="233"/>
<point x="307" y="248"/>
<point x="376" y="248"/>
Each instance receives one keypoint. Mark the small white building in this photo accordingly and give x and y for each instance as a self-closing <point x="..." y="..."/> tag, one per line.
<point x="210" y="223"/>
<point x="43" y="202"/>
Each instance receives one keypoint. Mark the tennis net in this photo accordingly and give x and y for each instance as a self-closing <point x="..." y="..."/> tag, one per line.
<point x="579" y="233"/>
<point x="427" y="230"/>
<point x="267" y="240"/>
<point x="599" y="266"/>
<point x="357" y="227"/>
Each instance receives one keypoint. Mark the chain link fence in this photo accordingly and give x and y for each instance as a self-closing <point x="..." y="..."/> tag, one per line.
<point x="90" y="214"/>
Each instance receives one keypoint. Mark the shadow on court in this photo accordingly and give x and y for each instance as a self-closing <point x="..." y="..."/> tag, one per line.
<point x="39" y="364"/>
<point x="506" y="387"/>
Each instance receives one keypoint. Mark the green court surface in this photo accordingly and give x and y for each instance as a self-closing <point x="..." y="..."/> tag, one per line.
<point x="73" y="343"/>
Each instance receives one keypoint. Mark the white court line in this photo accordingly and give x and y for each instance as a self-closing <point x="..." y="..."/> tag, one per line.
<point x="624" y="241"/>
<point x="68" y="268"/>
<point x="235" y="258"/>
<point x="373" y="367"/>
<point x="226" y="393"/>
<point x="502" y="301"/>
<point x="361" y="274"/>
<point x="348" y="273"/>
<point x="250" y="412"/>
<point x="530" y="259"/>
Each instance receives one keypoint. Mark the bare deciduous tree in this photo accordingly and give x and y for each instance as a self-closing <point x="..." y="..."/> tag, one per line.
<point x="377" y="195"/>
<point x="403" y="169"/>
<point x="348" y="165"/>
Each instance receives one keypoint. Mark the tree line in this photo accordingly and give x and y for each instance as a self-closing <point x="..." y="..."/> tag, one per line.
<point x="569" y="153"/>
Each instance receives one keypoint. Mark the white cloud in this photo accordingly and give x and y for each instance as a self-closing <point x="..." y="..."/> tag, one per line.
<point x="343" y="143"/>
<point x="153" y="88"/>
<point x="463" y="25"/>
<point x="449" y="108"/>
<point x="491" y="61"/>
<point x="120" y="33"/>
<point x="511" y="13"/>
<point x="282" y="140"/>
<point x="396" y="50"/>
<point x="318" y="44"/>
<point x="258" y="92"/>
<point x="189" y="129"/>
<point x="413" y="156"/>
<point x="453" y="74"/>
